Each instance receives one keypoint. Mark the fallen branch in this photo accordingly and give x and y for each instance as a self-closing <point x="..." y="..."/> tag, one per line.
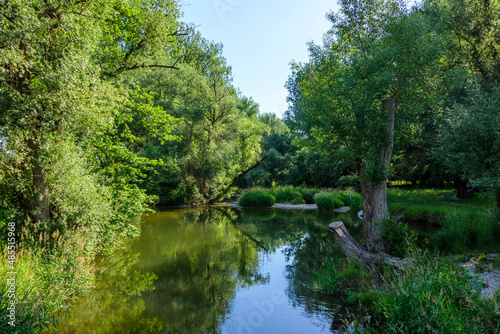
<point x="359" y="254"/>
<point x="241" y="174"/>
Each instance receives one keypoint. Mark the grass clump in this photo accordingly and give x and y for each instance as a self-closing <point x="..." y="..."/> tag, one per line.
<point x="257" y="198"/>
<point x="430" y="296"/>
<point x="352" y="199"/>
<point x="328" y="201"/>
<point x="468" y="230"/>
<point x="287" y="194"/>
<point x="48" y="276"/>
<point x="308" y="193"/>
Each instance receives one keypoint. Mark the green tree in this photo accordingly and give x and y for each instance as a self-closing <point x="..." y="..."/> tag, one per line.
<point x="374" y="68"/>
<point x="468" y="131"/>
<point x="221" y="133"/>
<point x="60" y="63"/>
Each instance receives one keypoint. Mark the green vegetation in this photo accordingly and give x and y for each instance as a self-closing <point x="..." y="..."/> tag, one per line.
<point x="400" y="240"/>
<point x="432" y="296"/>
<point x="328" y="200"/>
<point x="257" y="198"/>
<point x="352" y="199"/>
<point x="468" y="231"/>
<point x="51" y="270"/>
<point x="287" y="194"/>
<point x="108" y="108"/>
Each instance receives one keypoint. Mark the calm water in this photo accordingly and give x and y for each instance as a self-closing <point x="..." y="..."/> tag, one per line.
<point x="214" y="271"/>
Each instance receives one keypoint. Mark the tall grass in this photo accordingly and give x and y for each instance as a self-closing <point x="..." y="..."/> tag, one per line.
<point x="328" y="201"/>
<point x="430" y="296"/>
<point x="352" y="199"/>
<point x="463" y="231"/>
<point x="308" y="193"/>
<point x="257" y="198"/>
<point x="287" y="194"/>
<point x="48" y="276"/>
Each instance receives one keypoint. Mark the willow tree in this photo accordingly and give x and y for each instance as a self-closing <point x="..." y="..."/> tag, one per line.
<point x="59" y="64"/>
<point x="363" y="89"/>
<point x="469" y="136"/>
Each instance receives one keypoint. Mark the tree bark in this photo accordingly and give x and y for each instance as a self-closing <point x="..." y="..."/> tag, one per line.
<point x="374" y="212"/>
<point x="374" y="192"/>
<point x="497" y="197"/>
<point x="41" y="195"/>
<point x="241" y="174"/>
<point x="39" y="181"/>
<point x="463" y="191"/>
<point x="357" y="253"/>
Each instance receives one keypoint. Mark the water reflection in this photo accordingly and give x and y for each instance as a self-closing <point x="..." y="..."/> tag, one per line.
<point x="214" y="271"/>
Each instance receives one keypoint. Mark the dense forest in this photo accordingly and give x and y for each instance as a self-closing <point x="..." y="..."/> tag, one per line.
<point x="109" y="109"/>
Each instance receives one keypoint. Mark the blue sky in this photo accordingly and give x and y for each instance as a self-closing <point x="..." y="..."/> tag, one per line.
<point x="260" y="39"/>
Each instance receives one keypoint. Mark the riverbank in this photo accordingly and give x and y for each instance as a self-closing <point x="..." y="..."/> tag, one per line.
<point x="450" y="287"/>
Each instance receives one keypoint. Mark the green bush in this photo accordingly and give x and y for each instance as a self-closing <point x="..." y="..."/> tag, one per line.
<point x="399" y="240"/>
<point x="350" y="181"/>
<point x="352" y="199"/>
<point x="298" y="200"/>
<point x="328" y="201"/>
<point x="468" y="230"/>
<point x="285" y="194"/>
<point x="257" y="198"/>
<point x="308" y="193"/>
<point x="429" y="296"/>
<point x="51" y="270"/>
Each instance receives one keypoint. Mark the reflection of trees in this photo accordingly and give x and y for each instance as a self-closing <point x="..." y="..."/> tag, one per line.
<point x="200" y="259"/>
<point x="115" y="306"/>
<point x="309" y="254"/>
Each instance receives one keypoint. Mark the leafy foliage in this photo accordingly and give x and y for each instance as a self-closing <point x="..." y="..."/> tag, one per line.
<point x="398" y="237"/>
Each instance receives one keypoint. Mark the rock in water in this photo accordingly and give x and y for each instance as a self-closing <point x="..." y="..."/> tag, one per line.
<point x="342" y="209"/>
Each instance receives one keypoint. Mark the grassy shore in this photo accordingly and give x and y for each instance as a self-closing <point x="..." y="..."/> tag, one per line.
<point x="432" y="294"/>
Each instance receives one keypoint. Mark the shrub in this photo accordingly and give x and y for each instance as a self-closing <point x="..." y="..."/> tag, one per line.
<point x="298" y="200"/>
<point x="328" y="201"/>
<point x="398" y="238"/>
<point x="257" y="198"/>
<point x="308" y="193"/>
<point x="51" y="270"/>
<point x="285" y="194"/>
<point x="350" y="181"/>
<point x="352" y="199"/>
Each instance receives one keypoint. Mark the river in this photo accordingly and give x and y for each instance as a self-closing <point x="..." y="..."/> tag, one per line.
<point x="214" y="270"/>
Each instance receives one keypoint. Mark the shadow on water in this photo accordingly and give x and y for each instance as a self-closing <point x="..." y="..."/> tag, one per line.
<point x="214" y="270"/>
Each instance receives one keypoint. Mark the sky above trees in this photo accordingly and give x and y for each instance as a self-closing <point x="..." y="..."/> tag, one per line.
<point x="260" y="39"/>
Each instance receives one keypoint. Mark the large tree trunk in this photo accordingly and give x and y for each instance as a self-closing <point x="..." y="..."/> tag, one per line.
<point x="374" y="192"/>
<point x="41" y="195"/>
<point x="463" y="191"/>
<point x="39" y="180"/>
<point x="374" y="211"/>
